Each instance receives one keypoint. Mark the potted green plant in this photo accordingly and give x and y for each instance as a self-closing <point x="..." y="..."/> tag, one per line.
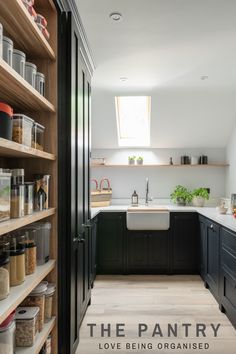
<point x="140" y="160"/>
<point x="132" y="160"/>
<point x="181" y="195"/>
<point x="200" y="195"/>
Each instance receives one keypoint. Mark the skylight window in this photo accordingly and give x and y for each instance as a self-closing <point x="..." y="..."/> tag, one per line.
<point x="133" y="120"/>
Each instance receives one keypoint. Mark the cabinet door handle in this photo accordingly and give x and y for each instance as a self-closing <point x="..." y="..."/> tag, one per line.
<point x="81" y="240"/>
<point x="212" y="226"/>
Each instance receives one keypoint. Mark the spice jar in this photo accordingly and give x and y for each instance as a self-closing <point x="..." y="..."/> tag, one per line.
<point x="30" y="252"/>
<point x="41" y="197"/>
<point x="37" y="299"/>
<point x="17" y="260"/>
<point x="29" y="198"/>
<point x="17" y="201"/>
<point x="17" y="176"/>
<point x="26" y="326"/>
<point x="7" y="335"/>
<point x="49" y="301"/>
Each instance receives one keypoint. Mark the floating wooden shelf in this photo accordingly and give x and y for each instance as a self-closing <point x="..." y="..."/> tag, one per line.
<point x="11" y="149"/>
<point x="18" y="92"/>
<point x="17" y="21"/>
<point x="40" y="339"/>
<point x="171" y="166"/>
<point x="19" y="293"/>
<point x="14" y="224"/>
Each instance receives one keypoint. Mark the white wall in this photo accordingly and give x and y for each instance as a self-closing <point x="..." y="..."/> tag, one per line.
<point x="231" y="158"/>
<point x="162" y="180"/>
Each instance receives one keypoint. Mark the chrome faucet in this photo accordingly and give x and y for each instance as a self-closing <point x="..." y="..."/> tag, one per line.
<point x="147" y="192"/>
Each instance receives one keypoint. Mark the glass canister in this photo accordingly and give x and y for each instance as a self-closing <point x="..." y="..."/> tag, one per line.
<point x="7" y="335"/>
<point x="49" y="301"/>
<point x="38" y="136"/>
<point x="5" y="195"/>
<point x="30" y="73"/>
<point x="17" y="176"/>
<point x="41" y="194"/>
<point x="17" y="201"/>
<point x="26" y="326"/>
<point x="22" y="129"/>
<point x="7" y="50"/>
<point x="37" y="299"/>
<point x="4" y="276"/>
<point x="30" y="250"/>
<point x="17" y="259"/>
<point x="29" y="198"/>
<point x="233" y="203"/>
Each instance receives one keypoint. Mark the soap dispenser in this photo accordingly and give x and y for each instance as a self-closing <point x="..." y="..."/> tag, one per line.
<point x="134" y="198"/>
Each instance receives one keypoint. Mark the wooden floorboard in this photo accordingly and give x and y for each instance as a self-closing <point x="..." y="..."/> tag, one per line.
<point x="154" y="299"/>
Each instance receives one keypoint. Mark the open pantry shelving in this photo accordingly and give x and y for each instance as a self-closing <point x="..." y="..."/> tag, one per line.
<point x="23" y="98"/>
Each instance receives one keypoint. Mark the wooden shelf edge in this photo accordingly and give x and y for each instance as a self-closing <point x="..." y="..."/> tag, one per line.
<point x="12" y="149"/>
<point x="20" y="292"/>
<point x="14" y="224"/>
<point x="156" y="165"/>
<point x="31" y="97"/>
<point x="20" y="14"/>
<point x="40" y="339"/>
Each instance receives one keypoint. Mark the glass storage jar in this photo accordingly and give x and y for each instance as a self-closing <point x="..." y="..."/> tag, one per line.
<point x="49" y="301"/>
<point x="30" y="251"/>
<point x="4" y="276"/>
<point x="38" y="136"/>
<point x="26" y="326"/>
<point x="17" y="259"/>
<point x="22" y="129"/>
<point x="5" y="195"/>
<point x="29" y="198"/>
<point x="7" y="335"/>
<point x="7" y="47"/>
<point x="42" y="239"/>
<point x="17" y="201"/>
<point x="37" y="299"/>
<point x="41" y="192"/>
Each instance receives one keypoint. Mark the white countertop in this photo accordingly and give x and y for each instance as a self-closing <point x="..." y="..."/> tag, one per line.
<point x="225" y="220"/>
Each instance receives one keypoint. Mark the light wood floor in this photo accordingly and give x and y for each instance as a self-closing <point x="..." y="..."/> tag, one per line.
<point x="154" y="299"/>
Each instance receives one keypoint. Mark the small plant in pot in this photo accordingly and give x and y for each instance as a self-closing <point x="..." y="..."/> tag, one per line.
<point x="132" y="160"/>
<point x="140" y="160"/>
<point x="200" y="195"/>
<point x="181" y="195"/>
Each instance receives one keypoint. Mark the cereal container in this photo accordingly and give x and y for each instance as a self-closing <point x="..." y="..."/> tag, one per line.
<point x="49" y="301"/>
<point x="22" y="129"/>
<point x="26" y="326"/>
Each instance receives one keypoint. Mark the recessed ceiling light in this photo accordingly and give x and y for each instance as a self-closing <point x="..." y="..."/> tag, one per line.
<point x="123" y="79"/>
<point x="204" y="77"/>
<point x="116" y="16"/>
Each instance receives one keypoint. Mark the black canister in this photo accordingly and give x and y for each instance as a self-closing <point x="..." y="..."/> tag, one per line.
<point x="6" y="113"/>
<point x="203" y="160"/>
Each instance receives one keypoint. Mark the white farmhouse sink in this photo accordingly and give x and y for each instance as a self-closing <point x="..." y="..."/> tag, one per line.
<point x="148" y="218"/>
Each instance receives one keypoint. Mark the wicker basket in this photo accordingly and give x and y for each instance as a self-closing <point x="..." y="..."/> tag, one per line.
<point x="101" y="196"/>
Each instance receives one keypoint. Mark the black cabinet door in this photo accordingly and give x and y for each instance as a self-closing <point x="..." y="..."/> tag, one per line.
<point x="203" y="247"/>
<point x="228" y="273"/>
<point x="110" y="241"/>
<point x="158" y="252"/>
<point x="137" y="252"/>
<point x="93" y="252"/>
<point x="212" y="257"/>
<point x="185" y="250"/>
<point x="148" y="252"/>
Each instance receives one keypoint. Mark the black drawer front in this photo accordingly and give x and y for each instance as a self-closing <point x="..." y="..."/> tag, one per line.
<point x="228" y="260"/>
<point x="228" y="240"/>
<point x="229" y="289"/>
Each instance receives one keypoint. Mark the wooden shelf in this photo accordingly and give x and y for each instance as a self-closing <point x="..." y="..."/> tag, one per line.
<point x="40" y="339"/>
<point x="17" y="21"/>
<point x="19" y="293"/>
<point x="14" y="224"/>
<point x="11" y="149"/>
<point x="18" y="92"/>
<point x="171" y="166"/>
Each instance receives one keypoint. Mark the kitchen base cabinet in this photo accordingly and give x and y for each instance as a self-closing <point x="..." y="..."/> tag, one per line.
<point x="228" y="273"/>
<point x="110" y="243"/>
<point x="147" y="252"/>
<point x="184" y="243"/>
<point x="93" y="250"/>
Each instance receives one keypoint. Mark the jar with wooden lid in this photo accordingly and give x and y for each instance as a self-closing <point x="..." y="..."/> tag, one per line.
<point x="37" y="299"/>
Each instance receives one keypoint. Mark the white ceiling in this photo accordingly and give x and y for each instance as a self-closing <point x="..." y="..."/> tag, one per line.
<point x="163" y="47"/>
